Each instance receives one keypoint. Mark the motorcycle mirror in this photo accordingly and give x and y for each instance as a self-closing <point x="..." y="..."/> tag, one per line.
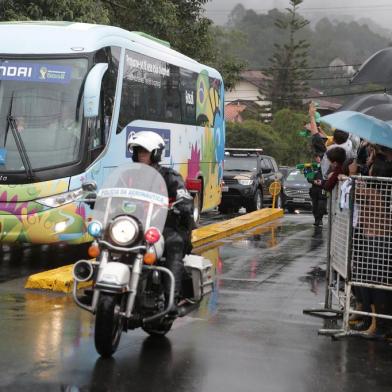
<point x="90" y="199"/>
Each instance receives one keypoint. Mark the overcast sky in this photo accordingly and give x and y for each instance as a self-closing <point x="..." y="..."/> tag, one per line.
<point x="378" y="10"/>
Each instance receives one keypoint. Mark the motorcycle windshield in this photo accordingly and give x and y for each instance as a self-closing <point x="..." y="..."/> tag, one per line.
<point x="136" y="190"/>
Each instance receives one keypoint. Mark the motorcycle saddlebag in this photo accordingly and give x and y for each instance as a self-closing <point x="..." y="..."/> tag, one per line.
<point x="201" y="270"/>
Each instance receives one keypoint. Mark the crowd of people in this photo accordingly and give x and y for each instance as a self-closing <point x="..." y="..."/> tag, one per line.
<point x="340" y="157"/>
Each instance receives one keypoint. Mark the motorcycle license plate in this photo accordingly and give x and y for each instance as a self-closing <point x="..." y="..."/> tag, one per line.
<point x="298" y="200"/>
<point x="225" y="189"/>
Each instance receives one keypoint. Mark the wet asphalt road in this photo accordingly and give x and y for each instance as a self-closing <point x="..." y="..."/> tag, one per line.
<point x="250" y="336"/>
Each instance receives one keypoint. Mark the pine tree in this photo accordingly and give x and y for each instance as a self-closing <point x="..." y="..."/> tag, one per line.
<point x="288" y="71"/>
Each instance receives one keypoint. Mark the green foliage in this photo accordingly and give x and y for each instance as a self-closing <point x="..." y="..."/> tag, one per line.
<point x="223" y="59"/>
<point x="289" y="61"/>
<point x="280" y="139"/>
<point x="250" y="134"/>
<point x="286" y="124"/>
<point x="87" y="11"/>
<point x="351" y="41"/>
<point x="181" y="22"/>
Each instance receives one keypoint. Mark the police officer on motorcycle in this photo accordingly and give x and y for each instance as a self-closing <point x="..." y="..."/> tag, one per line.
<point x="147" y="148"/>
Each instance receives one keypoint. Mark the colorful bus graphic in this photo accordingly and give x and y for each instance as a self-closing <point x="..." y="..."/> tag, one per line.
<point x="69" y="98"/>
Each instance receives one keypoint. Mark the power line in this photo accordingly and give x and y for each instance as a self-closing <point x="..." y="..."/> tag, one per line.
<point x="266" y="68"/>
<point x="267" y="98"/>
<point x="332" y="95"/>
<point x="309" y="9"/>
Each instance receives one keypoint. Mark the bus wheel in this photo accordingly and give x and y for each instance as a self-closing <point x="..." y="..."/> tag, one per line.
<point x="196" y="207"/>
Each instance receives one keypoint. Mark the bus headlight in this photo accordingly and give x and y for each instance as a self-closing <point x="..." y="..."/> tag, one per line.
<point x="124" y="230"/>
<point x="61" y="199"/>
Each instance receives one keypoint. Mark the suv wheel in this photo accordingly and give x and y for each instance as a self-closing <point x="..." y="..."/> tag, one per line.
<point x="256" y="203"/>
<point x="279" y="202"/>
<point x="196" y="208"/>
<point x="223" y="209"/>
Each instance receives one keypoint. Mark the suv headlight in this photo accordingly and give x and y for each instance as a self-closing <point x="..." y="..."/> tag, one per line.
<point x="124" y="230"/>
<point x="61" y="199"/>
<point x="245" y="182"/>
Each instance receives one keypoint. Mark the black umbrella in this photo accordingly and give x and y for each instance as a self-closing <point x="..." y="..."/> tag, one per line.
<point x="376" y="69"/>
<point x="364" y="102"/>
<point x="382" y="112"/>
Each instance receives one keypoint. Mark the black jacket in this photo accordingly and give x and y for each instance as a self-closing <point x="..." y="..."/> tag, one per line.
<point x="317" y="191"/>
<point x="181" y="217"/>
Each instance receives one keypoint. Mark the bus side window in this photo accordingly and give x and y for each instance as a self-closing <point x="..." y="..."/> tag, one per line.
<point x="188" y="96"/>
<point x="172" y="96"/>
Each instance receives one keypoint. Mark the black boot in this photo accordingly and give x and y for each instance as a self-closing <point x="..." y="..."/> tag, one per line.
<point x="362" y="325"/>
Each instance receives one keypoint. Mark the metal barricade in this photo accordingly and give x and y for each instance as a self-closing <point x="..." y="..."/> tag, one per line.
<point x="360" y="245"/>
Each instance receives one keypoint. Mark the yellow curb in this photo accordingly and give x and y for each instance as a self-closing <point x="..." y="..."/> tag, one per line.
<point x="60" y="279"/>
<point x="224" y="229"/>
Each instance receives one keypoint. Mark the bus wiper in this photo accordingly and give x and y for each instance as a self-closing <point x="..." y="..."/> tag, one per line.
<point x="11" y="123"/>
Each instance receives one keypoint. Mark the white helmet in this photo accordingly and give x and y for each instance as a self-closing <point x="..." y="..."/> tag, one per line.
<point x="150" y="141"/>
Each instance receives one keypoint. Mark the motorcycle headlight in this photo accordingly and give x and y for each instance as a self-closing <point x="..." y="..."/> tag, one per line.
<point x="124" y="230"/>
<point x="245" y="182"/>
<point x="62" y="198"/>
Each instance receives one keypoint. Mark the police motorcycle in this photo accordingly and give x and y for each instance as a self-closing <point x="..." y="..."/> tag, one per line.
<point x="128" y="274"/>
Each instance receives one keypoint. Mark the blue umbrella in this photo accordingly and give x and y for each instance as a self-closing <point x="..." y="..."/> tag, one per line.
<point x="367" y="127"/>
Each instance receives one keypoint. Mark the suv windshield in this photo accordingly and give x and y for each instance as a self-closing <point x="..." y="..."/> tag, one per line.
<point x="241" y="163"/>
<point x="44" y="98"/>
<point x="296" y="176"/>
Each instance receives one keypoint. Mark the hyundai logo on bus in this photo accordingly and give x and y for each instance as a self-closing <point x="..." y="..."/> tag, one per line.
<point x="35" y="72"/>
<point x="164" y="133"/>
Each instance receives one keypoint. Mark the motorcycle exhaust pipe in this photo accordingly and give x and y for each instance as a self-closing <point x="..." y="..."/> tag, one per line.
<point x="82" y="271"/>
<point x="183" y="310"/>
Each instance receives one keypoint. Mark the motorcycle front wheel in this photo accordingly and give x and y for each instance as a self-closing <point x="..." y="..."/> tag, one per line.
<point x="108" y="324"/>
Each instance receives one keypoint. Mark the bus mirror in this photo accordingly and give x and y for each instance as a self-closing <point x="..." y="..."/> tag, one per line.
<point x="89" y="186"/>
<point x="92" y="90"/>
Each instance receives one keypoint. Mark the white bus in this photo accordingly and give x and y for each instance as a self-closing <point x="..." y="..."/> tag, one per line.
<point x="70" y="95"/>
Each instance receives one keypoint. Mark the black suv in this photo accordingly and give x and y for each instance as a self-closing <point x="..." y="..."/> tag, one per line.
<point x="247" y="176"/>
<point x="296" y="191"/>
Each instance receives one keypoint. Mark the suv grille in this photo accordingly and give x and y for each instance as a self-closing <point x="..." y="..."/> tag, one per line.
<point x="230" y="181"/>
<point x="297" y="192"/>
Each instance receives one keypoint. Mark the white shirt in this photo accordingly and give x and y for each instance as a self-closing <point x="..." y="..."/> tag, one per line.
<point x="325" y="162"/>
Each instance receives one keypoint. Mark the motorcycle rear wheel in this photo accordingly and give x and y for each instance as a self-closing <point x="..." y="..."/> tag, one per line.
<point x="158" y="328"/>
<point x="108" y="324"/>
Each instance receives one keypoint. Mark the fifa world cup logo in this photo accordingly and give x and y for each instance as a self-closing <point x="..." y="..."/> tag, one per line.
<point x="43" y="71"/>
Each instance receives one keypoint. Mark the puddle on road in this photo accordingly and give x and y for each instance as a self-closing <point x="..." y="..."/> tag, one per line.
<point x="316" y="279"/>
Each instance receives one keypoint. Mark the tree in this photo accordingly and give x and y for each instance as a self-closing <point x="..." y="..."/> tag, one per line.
<point x="294" y="148"/>
<point x="279" y="139"/>
<point x="224" y="59"/>
<point x="251" y="134"/>
<point x="289" y="62"/>
<point x="181" y="22"/>
<point x="89" y="11"/>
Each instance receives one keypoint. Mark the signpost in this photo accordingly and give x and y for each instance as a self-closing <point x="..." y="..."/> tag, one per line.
<point x="274" y="190"/>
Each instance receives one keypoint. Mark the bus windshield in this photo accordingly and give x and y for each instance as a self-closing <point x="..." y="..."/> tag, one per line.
<point x="43" y="99"/>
